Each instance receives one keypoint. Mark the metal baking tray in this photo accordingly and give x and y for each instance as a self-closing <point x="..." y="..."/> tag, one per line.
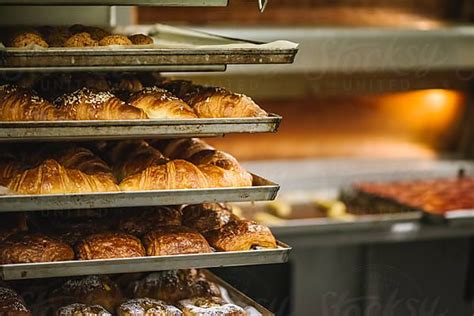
<point x="144" y="264"/>
<point x="173" y="3"/>
<point x="126" y="129"/>
<point x="261" y="190"/>
<point x="456" y="217"/>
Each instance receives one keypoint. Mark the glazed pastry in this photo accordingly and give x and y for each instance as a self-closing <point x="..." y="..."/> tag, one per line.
<point x="115" y="40"/>
<point x="52" y="178"/>
<point x="71" y="233"/>
<point x="12" y="223"/>
<point x="90" y="290"/>
<point x="210" y="306"/>
<point x="12" y="304"/>
<point x="28" y="248"/>
<point x="25" y="39"/>
<point x="57" y="36"/>
<point x="241" y="235"/>
<point x="174" y="285"/>
<point x="184" y="148"/>
<point x="19" y="104"/>
<point x="174" y="240"/>
<point x="9" y="168"/>
<point x="176" y="174"/>
<point x="143" y="220"/>
<point x="78" y="309"/>
<point x="141" y="39"/>
<point x="160" y="104"/>
<point x="108" y="246"/>
<point x="147" y="307"/>
<point x="83" y="39"/>
<point x="97" y="82"/>
<point x="208" y="216"/>
<point x="127" y="84"/>
<point x="96" y="33"/>
<point x="87" y="104"/>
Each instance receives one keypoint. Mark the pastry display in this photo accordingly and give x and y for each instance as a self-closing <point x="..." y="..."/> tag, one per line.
<point x="147" y="307"/>
<point x="199" y="306"/>
<point x="174" y="240"/>
<point x="142" y="220"/>
<point x="29" y="248"/>
<point x="207" y="217"/>
<point x="78" y="309"/>
<point x="109" y="245"/>
<point x="12" y="304"/>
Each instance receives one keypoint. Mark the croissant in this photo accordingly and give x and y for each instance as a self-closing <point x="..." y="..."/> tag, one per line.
<point x="52" y="178"/>
<point x="86" y="104"/>
<point x="176" y="174"/>
<point x="183" y="148"/>
<point x="160" y="104"/>
<point x="19" y="104"/>
<point x="218" y="177"/>
<point x="10" y="168"/>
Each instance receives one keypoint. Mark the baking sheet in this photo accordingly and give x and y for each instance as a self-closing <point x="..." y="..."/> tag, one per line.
<point x="127" y="129"/>
<point x="174" y="47"/>
<point x="144" y="264"/>
<point x="174" y="3"/>
<point x="261" y="190"/>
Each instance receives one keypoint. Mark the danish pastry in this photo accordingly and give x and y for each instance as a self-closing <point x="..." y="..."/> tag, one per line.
<point x="147" y="307"/>
<point x="209" y="306"/>
<point x="78" y="309"/>
<point x="208" y="216"/>
<point x="109" y="245"/>
<point x="174" y="240"/>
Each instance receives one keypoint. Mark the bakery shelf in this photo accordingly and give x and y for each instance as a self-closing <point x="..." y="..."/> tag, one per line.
<point x="94" y="130"/>
<point x="144" y="264"/>
<point x="261" y="190"/>
<point x="171" y="3"/>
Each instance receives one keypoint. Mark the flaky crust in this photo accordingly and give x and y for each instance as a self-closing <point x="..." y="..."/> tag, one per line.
<point x="241" y="235"/>
<point x="141" y="39"/>
<point x="78" y="309"/>
<point x="73" y="232"/>
<point x="28" y="248"/>
<point x="143" y="220"/>
<point x="147" y="307"/>
<point x="83" y="39"/>
<point x="11" y="304"/>
<point x="115" y="40"/>
<point x="9" y="168"/>
<point x="207" y="217"/>
<point x="109" y="245"/>
<point x="185" y="148"/>
<point x="25" y="39"/>
<point x="174" y="240"/>
<point x="198" y="306"/>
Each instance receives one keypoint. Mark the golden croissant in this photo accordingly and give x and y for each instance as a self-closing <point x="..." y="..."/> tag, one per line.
<point x="19" y="104"/>
<point x="86" y="104"/>
<point x="160" y="104"/>
<point x="8" y="169"/>
<point x="52" y="178"/>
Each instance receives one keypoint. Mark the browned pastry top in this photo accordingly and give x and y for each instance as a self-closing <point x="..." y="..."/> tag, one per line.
<point x="210" y="306"/>
<point x="96" y="33"/>
<point x="78" y="309"/>
<point x="109" y="245"/>
<point x="173" y="240"/>
<point x="83" y="39"/>
<point x="185" y="148"/>
<point x="24" y="39"/>
<point x="115" y="40"/>
<point x="10" y="168"/>
<point x="208" y="216"/>
<point x="72" y="232"/>
<point x="12" y="304"/>
<point x="141" y="39"/>
<point x="141" y="221"/>
<point x="28" y="248"/>
<point x="147" y="306"/>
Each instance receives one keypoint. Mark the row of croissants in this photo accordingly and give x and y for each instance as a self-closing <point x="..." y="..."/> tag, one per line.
<point x="126" y="98"/>
<point x="118" y="166"/>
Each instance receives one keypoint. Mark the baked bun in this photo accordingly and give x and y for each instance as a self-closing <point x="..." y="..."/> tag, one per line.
<point x="83" y="39"/>
<point x="11" y="304"/>
<point x="147" y="307"/>
<point x="141" y="39"/>
<point x="29" y="248"/>
<point x="141" y="221"/>
<point x="78" y="309"/>
<point x="109" y="245"/>
<point x="25" y="39"/>
<point x="208" y="216"/>
<point x="115" y="40"/>
<point x="241" y="235"/>
<point x="201" y="306"/>
<point x="174" y="240"/>
<point x="90" y="290"/>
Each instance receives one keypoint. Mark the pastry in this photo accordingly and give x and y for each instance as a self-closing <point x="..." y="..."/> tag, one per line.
<point x="78" y="309"/>
<point x="115" y="40"/>
<point x="208" y="216"/>
<point x="160" y="104"/>
<point x="184" y="148"/>
<point x="25" y="39"/>
<point x="56" y="36"/>
<point x="83" y="39"/>
<point x="174" y="240"/>
<point x="52" y="178"/>
<point x="19" y="104"/>
<point x="109" y="245"/>
<point x="96" y="81"/>
<point x="209" y="306"/>
<point x="9" y="168"/>
<point x="90" y="290"/>
<point x="12" y="223"/>
<point x="77" y="28"/>
<point x="127" y="84"/>
<point x="141" y="221"/>
<point x="241" y="235"/>
<point x="87" y="104"/>
<point x="96" y="33"/>
<point x="141" y="39"/>
<point x="174" y="285"/>
<point x="11" y="304"/>
<point x="28" y="248"/>
<point x="73" y="232"/>
<point x="147" y="307"/>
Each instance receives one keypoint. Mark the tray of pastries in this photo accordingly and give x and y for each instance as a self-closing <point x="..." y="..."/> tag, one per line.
<point x="58" y="176"/>
<point x="55" y="244"/>
<point x="172" y="293"/>
<point x="110" y="106"/>
<point x="162" y="47"/>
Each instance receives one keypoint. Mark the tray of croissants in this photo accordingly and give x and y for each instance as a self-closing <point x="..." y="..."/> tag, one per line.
<point x="55" y="176"/>
<point x="96" y="241"/>
<point x="191" y="292"/>
<point x="114" y="106"/>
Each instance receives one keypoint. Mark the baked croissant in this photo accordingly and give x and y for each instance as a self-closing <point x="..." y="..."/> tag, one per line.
<point x="160" y="104"/>
<point x="19" y="104"/>
<point x="183" y="148"/>
<point x="52" y="178"/>
<point x="176" y="174"/>
<point x="86" y="104"/>
<point x="10" y="168"/>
